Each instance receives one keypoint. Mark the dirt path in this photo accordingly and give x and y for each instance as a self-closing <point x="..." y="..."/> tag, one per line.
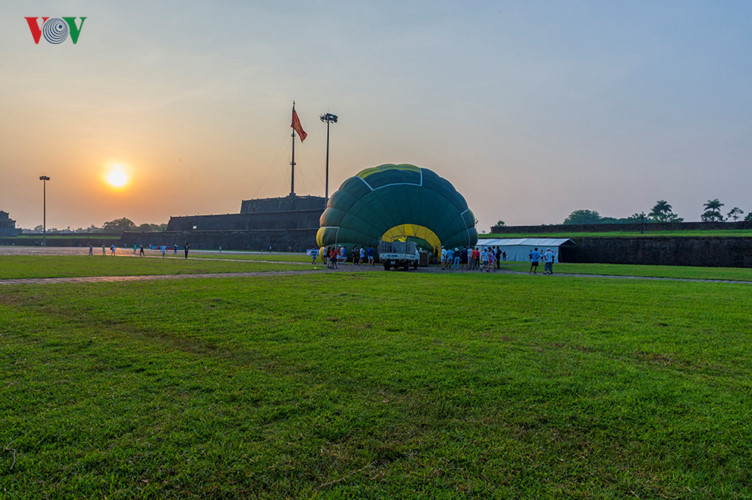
<point x="344" y="269"/>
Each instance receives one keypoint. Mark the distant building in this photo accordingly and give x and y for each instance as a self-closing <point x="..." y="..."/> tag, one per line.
<point x="7" y="225"/>
<point x="287" y="213"/>
<point x="286" y="223"/>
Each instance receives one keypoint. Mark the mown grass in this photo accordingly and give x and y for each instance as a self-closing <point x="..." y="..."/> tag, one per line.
<point x="377" y="385"/>
<point x="57" y="266"/>
<point x="679" y="272"/>
<point x="265" y="257"/>
<point x="68" y="236"/>
<point x="694" y="233"/>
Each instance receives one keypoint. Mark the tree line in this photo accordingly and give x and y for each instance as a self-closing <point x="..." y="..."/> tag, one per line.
<point x="113" y="226"/>
<point x="661" y="212"/>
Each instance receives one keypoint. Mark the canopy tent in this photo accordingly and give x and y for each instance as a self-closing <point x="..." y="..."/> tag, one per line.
<point x="518" y="249"/>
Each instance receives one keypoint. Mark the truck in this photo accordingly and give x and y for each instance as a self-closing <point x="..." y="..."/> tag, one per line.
<point x="398" y="254"/>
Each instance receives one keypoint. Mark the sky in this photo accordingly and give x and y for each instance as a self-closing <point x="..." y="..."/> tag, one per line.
<point x="530" y="109"/>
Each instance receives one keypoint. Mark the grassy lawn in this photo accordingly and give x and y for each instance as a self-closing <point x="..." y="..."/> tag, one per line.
<point x="689" y="272"/>
<point x="377" y="385"/>
<point x="57" y="266"/>
<point x="264" y="257"/>
<point x="695" y="233"/>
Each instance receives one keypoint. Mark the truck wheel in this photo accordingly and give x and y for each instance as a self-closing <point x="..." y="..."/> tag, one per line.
<point x="407" y="266"/>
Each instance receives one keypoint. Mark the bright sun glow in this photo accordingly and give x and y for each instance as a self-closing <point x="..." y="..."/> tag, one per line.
<point x="117" y="176"/>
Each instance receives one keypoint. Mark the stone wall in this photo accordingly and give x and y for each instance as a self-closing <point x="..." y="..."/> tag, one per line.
<point x="297" y="240"/>
<point x="297" y="220"/>
<point x="602" y="228"/>
<point x="96" y="239"/>
<point x="684" y="251"/>
<point x="285" y="204"/>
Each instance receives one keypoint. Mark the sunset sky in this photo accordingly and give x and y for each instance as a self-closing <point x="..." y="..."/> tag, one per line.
<point x="531" y="109"/>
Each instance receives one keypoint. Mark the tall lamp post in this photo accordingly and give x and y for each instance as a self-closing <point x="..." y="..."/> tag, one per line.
<point x="44" y="180"/>
<point x="328" y="118"/>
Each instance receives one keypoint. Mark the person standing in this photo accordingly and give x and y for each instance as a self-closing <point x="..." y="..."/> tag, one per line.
<point x="498" y="258"/>
<point x="548" y="261"/>
<point x="362" y="255"/>
<point x="370" y="256"/>
<point x="141" y="251"/>
<point x="91" y="249"/>
<point x="163" y="248"/>
<point x="333" y="258"/>
<point x="534" y="259"/>
<point x="456" y="265"/>
<point x="186" y="247"/>
<point x="314" y="254"/>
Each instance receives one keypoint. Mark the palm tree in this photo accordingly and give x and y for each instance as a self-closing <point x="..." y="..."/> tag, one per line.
<point x="712" y="211"/>
<point x="661" y="211"/>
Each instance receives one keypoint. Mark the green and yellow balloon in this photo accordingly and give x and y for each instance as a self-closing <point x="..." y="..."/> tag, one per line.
<point x="396" y="202"/>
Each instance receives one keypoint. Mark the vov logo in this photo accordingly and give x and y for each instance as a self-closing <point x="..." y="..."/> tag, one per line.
<point x="55" y="30"/>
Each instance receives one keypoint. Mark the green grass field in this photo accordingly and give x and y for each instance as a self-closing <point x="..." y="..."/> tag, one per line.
<point x="377" y="385"/>
<point x="57" y="266"/>
<point x="264" y="257"/>
<point x="694" y="233"/>
<point x="678" y="272"/>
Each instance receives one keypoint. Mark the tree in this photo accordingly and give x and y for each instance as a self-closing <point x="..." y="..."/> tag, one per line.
<point x="748" y="218"/>
<point x="118" y="225"/>
<point x="712" y="211"/>
<point x="583" y="217"/>
<point x="501" y="223"/>
<point x="735" y="213"/>
<point x="151" y="228"/>
<point x="662" y="212"/>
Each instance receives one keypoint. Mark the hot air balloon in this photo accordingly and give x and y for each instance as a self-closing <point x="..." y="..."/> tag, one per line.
<point x="396" y="202"/>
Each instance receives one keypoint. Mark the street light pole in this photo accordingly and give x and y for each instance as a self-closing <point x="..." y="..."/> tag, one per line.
<point x="328" y="118"/>
<point x="44" y="180"/>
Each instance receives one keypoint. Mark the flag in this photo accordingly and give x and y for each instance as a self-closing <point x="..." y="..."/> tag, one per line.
<point x="297" y="126"/>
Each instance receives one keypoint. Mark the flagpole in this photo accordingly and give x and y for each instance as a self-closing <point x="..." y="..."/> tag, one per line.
<point x="292" y="163"/>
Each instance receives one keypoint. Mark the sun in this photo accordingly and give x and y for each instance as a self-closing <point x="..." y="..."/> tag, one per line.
<point x="117" y="176"/>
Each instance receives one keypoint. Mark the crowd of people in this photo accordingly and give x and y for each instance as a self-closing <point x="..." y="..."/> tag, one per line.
<point x="490" y="259"/>
<point x="333" y="256"/>
<point x="472" y="259"/>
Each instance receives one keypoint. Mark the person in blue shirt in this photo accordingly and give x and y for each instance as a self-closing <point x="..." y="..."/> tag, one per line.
<point x="534" y="259"/>
<point x="449" y="258"/>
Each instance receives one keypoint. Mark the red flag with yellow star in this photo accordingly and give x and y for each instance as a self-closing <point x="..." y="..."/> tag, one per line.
<point x="297" y="126"/>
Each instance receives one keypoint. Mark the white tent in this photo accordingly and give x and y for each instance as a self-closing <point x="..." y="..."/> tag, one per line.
<point x="518" y="249"/>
